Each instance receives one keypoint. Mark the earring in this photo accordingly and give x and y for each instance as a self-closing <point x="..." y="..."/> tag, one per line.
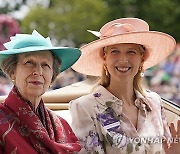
<point x="106" y="71"/>
<point x="13" y="81"/>
<point x="141" y="72"/>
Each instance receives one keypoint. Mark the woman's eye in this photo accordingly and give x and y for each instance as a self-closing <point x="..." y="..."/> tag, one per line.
<point x="132" y="51"/>
<point x="114" y="51"/>
<point x="29" y="63"/>
<point x="46" y="65"/>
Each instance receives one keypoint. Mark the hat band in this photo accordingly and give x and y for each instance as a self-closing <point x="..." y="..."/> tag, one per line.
<point x="116" y="29"/>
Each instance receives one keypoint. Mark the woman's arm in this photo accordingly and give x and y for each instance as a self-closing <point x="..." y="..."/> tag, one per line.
<point x="84" y="126"/>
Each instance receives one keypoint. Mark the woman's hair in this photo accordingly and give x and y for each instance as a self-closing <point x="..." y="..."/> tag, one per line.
<point x="8" y="65"/>
<point x="137" y="83"/>
<point x="56" y="66"/>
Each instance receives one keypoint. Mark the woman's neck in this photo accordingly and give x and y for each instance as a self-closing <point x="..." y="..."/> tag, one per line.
<point x="123" y="91"/>
<point x="33" y="100"/>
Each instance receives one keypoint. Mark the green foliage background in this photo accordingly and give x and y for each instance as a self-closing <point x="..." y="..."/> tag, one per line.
<point x="69" y="19"/>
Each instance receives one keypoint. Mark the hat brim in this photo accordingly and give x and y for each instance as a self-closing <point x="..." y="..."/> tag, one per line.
<point x="158" y="45"/>
<point x="68" y="56"/>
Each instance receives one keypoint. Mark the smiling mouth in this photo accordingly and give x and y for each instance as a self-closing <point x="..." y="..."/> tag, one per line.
<point x="123" y="69"/>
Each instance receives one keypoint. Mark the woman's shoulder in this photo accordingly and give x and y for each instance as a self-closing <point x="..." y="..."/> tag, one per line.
<point x="153" y="95"/>
<point x="84" y="100"/>
<point x="3" y="109"/>
<point x="5" y="113"/>
<point x="153" y="98"/>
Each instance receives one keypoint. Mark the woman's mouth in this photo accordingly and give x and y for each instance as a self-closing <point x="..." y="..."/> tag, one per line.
<point x="36" y="82"/>
<point x="123" y="69"/>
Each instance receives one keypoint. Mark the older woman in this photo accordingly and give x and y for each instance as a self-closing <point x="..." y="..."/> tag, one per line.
<point x="26" y="125"/>
<point x="120" y="116"/>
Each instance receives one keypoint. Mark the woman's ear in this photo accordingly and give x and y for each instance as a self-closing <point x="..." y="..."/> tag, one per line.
<point x="142" y="58"/>
<point x="12" y="76"/>
<point x="142" y="63"/>
<point x="104" y="56"/>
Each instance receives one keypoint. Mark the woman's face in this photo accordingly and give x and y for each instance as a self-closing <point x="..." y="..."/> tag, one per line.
<point x="33" y="73"/>
<point x="123" y="61"/>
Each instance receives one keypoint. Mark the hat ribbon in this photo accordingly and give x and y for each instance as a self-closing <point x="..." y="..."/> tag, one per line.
<point x="27" y="40"/>
<point x="114" y="29"/>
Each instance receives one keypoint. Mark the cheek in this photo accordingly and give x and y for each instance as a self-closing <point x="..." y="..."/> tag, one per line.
<point x="136" y="65"/>
<point x="48" y="76"/>
<point x="20" y="75"/>
<point x="21" y="83"/>
<point x="135" y="60"/>
<point x="110" y="60"/>
<point x="21" y="79"/>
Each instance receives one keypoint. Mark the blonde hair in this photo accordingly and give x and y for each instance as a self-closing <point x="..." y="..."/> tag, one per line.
<point x="137" y="83"/>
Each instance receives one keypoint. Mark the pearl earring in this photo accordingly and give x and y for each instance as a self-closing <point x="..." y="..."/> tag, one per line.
<point x="13" y="81"/>
<point x="142" y="74"/>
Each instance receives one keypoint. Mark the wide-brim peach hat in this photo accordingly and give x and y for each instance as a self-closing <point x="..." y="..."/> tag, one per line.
<point x="158" y="45"/>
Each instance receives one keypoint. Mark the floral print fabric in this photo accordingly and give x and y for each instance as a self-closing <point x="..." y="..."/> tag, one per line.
<point x="102" y="127"/>
<point x="22" y="130"/>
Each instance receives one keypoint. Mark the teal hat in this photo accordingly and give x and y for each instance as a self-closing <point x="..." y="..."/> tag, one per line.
<point x="23" y="43"/>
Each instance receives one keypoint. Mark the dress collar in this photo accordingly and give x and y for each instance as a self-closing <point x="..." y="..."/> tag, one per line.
<point x="107" y="99"/>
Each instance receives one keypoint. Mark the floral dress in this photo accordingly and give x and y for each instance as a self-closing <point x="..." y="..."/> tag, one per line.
<point x="102" y="127"/>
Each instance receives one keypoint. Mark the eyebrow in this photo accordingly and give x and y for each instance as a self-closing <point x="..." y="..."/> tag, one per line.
<point x="132" y="48"/>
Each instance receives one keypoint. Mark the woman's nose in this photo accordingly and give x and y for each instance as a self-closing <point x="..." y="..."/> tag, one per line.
<point x="123" y="58"/>
<point x="38" y="71"/>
